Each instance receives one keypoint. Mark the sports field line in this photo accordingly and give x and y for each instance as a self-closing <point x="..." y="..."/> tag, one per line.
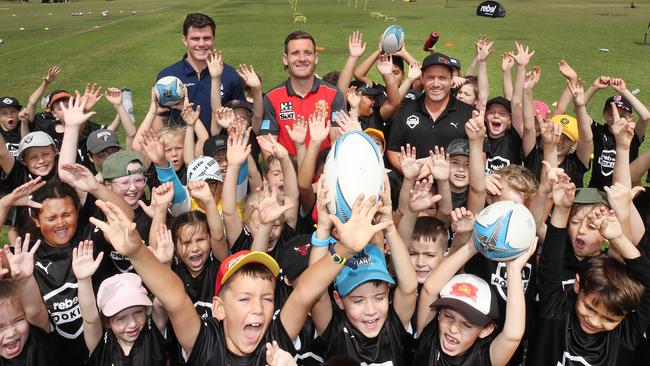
<point x="77" y="33"/>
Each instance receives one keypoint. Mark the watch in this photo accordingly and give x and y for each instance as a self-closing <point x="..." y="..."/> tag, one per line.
<point x="315" y="242"/>
<point x="338" y="259"/>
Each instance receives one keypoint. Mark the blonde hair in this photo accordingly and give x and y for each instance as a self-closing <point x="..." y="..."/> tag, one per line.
<point x="520" y="179"/>
<point x="167" y="134"/>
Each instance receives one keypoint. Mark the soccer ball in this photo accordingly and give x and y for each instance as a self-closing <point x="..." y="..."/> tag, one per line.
<point x="354" y="166"/>
<point x="503" y="230"/>
<point x="393" y="39"/>
<point x="170" y="90"/>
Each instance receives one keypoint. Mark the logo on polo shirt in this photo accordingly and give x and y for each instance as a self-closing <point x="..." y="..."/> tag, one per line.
<point x="606" y="161"/>
<point x="322" y="105"/>
<point x="286" y="111"/>
<point x="412" y="121"/>
<point x="496" y="163"/>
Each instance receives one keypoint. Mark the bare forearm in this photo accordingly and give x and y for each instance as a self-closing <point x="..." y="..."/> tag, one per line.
<point x="483" y="83"/>
<point x="563" y="102"/>
<point x="362" y="70"/>
<point x="258" y="109"/>
<point x="215" y="93"/>
<point x="345" y="77"/>
<point x="445" y="204"/>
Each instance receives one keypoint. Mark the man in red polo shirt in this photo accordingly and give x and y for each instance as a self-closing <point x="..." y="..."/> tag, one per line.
<point x="300" y="95"/>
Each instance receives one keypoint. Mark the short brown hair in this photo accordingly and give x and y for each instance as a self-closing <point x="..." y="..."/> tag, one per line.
<point x="427" y="227"/>
<point x="611" y="283"/>
<point x="473" y="81"/>
<point x="8" y="292"/>
<point x="253" y="270"/>
<point x="297" y="35"/>
<point x="197" y="20"/>
<point x="520" y="179"/>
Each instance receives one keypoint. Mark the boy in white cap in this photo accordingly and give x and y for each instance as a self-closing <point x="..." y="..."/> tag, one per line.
<point x="464" y="333"/>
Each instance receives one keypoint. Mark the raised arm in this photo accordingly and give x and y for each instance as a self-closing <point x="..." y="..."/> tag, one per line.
<point x="269" y="210"/>
<point x="74" y="118"/>
<point x="506" y="343"/>
<point x="237" y="152"/>
<point x="247" y="73"/>
<point x="601" y="82"/>
<point x="475" y="130"/>
<point x="290" y="181"/>
<point x="147" y="122"/>
<point x="439" y="169"/>
<point x="361" y="72"/>
<point x="158" y="278"/>
<point x="507" y="63"/>
<point x="84" y="266"/>
<point x="356" y="48"/>
<point x="215" y="67"/>
<point x="36" y="96"/>
<point x="114" y="96"/>
<point x="644" y="115"/>
<point x="385" y="68"/>
<point x="21" y="263"/>
<point x="201" y="191"/>
<point x="7" y="160"/>
<point x="571" y="76"/>
<point x="484" y="48"/>
<point x="528" y="140"/>
<point x="318" y="132"/>
<point x="639" y="167"/>
<point x="522" y="58"/>
<point x="585" y="135"/>
<point x="161" y="198"/>
<point x="191" y="117"/>
<point x="414" y="73"/>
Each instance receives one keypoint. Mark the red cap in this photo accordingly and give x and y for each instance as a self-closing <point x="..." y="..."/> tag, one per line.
<point x="231" y="264"/>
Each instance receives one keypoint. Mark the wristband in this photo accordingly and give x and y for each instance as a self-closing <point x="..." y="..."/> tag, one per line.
<point x="338" y="259"/>
<point x="315" y="242"/>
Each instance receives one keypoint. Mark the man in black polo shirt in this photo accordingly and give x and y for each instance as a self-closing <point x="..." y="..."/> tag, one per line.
<point x="434" y="119"/>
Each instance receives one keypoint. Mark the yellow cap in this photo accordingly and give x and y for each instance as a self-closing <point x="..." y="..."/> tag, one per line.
<point x="569" y="125"/>
<point x="376" y="132"/>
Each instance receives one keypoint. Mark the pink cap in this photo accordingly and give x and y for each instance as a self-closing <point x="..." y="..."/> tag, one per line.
<point x="541" y="108"/>
<point x="121" y="291"/>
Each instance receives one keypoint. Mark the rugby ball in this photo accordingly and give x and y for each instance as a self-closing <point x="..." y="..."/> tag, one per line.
<point x="393" y="39"/>
<point x="503" y="230"/>
<point x="170" y="90"/>
<point x="354" y="166"/>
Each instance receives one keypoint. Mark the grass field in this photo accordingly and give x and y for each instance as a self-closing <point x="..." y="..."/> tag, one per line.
<point x="138" y="38"/>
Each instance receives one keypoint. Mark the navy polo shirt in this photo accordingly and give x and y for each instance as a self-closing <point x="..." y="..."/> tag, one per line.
<point x="199" y="87"/>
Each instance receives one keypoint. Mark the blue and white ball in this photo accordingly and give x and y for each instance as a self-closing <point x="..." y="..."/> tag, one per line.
<point x="393" y="39"/>
<point x="170" y="90"/>
<point x="354" y="166"/>
<point x="503" y="230"/>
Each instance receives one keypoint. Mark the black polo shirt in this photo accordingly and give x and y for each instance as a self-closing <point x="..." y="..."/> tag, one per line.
<point x="412" y="124"/>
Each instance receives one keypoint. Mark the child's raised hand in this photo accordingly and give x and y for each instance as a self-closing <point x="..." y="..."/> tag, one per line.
<point x="276" y="356"/>
<point x="346" y="123"/>
<point x="420" y="197"/>
<point x="118" y="228"/>
<point x="484" y="50"/>
<point x="323" y="199"/>
<point x="215" y="64"/>
<point x="564" y="191"/>
<point x="567" y="71"/>
<point x="190" y="115"/>
<point x="153" y="148"/>
<point x="20" y="195"/>
<point x="267" y="204"/>
<point x="21" y="261"/>
<point x="620" y="197"/>
<point x="83" y="264"/>
<point x="201" y="191"/>
<point x="353" y="97"/>
<point x="532" y="78"/>
<point x="576" y="87"/>
<point x="298" y="133"/>
<point x="493" y="184"/>
<point x="164" y="251"/>
<point x="51" y="75"/>
<point x="114" y="96"/>
<point x="519" y="263"/>
<point x="415" y="70"/>
<point x="356" y="45"/>
<point x="74" y="111"/>
<point x="507" y="62"/>
<point x="475" y="127"/>
<point x="163" y="194"/>
<point x="224" y="116"/>
<point x="523" y="55"/>
<point x="622" y="129"/>
<point x="356" y="233"/>
<point x="601" y="82"/>
<point x="408" y="162"/>
<point x="238" y="147"/>
<point x="82" y="178"/>
<point x="385" y="212"/>
<point x="92" y="95"/>
<point x="551" y="133"/>
<point x="606" y="222"/>
<point x="319" y="128"/>
<point x="385" y="64"/>
<point x="618" y="84"/>
<point x="462" y="220"/>
<point x="438" y="164"/>
<point x="247" y="73"/>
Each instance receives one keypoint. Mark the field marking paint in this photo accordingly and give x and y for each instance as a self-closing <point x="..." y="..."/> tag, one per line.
<point x="76" y="33"/>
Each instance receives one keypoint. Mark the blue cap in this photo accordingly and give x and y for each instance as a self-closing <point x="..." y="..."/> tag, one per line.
<point x="370" y="265"/>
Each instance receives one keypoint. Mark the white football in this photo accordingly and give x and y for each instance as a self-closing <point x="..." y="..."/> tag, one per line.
<point x="503" y="230"/>
<point x="170" y="90"/>
<point x="354" y="166"/>
<point x="393" y="39"/>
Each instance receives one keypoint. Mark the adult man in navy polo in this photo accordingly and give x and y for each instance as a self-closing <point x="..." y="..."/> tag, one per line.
<point x="434" y="119"/>
<point x="198" y="37"/>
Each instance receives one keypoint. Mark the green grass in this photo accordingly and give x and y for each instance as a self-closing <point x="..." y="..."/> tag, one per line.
<point x="127" y="50"/>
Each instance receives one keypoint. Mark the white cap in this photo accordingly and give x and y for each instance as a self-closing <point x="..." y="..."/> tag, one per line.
<point x="34" y="139"/>
<point x="471" y="296"/>
<point x="204" y="168"/>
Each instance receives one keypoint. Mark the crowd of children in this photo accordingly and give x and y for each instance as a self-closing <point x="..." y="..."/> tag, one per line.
<point x="204" y="238"/>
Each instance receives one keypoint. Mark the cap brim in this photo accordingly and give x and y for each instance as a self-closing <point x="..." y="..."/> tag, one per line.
<point x="253" y="257"/>
<point x="119" y="303"/>
<point x="103" y="147"/>
<point x="353" y="281"/>
<point x="470" y="313"/>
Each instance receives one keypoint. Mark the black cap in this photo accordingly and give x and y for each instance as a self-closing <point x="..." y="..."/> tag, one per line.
<point x="214" y="144"/>
<point x="365" y="89"/>
<point x="499" y="100"/>
<point x="437" y="59"/>
<point x="293" y="256"/>
<point x="10" y="102"/>
<point x="620" y="102"/>
<point x="236" y="103"/>
<point x="455" y="63"/>
<point x="458" y="147"/>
